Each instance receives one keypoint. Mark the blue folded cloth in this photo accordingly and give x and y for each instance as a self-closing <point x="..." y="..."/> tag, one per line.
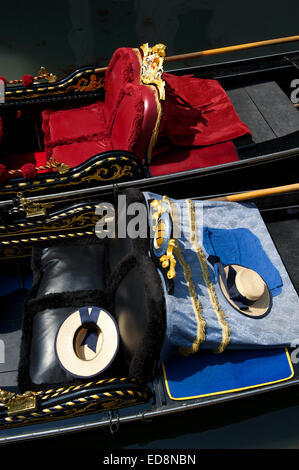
<point x="241" y="246"/>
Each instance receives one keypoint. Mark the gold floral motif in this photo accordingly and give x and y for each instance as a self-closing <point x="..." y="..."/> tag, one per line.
<point x="152" y="66"/>
<point x="168" y="260"/>
<point x="100" y="174"/>
<point x="43" y="73"/>
<point x="91" y="84"/>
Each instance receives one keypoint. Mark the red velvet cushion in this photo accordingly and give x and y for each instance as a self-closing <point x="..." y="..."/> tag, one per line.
<point x="123" y="68"/>
<point x="69" y="125"/>
<point x="132" y="130"/>
<point x="74" y="135"/>
<point x="198" y="112"/>
<point x="135" y="120"/>
<point x="181" y="159"/>
<point x="78" y="152"/>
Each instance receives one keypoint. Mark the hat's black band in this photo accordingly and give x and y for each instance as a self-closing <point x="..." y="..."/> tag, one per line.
<point x="229" y="283"/>
<point x="91" y="337"/>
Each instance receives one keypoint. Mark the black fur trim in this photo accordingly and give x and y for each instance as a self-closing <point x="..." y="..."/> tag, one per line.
<point x="121" y="270"/>
<point x="147" y="355"/>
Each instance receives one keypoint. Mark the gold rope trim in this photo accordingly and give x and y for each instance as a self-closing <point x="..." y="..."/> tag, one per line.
<point x="197" y="308"/>
<point x="201" y="323"/>
<point x="44" y="238"/>
<point x="90" y="399"/>
<point x="204" y="267"/>
<point x="155" y="133"/>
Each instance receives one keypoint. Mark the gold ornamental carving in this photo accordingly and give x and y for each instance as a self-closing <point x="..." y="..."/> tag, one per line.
<point x="152" y="66"/>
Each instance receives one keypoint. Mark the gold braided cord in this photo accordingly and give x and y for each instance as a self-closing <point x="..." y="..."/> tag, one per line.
<point x="204" y="267"/>
<point x="95" y="402"/>
<point x="196" y="305"/>
<point x="197" y="308"/>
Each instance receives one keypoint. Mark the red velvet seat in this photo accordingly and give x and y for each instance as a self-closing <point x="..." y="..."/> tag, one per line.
<point x="180" y="159"/>
<point x="75" y="134"/>
<point x="124" y="121"/>
<point x="127" y="120"/>
<point x="132" y="129"/>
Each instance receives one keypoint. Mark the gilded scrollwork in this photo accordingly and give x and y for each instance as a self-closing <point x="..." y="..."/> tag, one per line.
<point x="66" y="222"/>
<point x="88" y="84"/>
<point x="152" y="66"/>
<point x="105" y="174"/>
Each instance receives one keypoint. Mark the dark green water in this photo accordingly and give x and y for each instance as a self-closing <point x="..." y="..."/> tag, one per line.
<point x="63" y="35"/>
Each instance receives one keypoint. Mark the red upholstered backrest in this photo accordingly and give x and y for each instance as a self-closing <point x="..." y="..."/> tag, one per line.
<point x="124" y="67"/>
<point x="137" y="119"/>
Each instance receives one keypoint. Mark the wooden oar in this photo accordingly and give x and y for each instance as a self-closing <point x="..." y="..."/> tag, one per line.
<point x="257" y="193"/>
<point x="222" y="50"/>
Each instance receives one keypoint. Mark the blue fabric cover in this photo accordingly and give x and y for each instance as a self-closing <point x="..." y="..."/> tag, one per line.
<point x="278" y="329"/>
<point x="206" y="373"/>
<point x="241" y="246"/>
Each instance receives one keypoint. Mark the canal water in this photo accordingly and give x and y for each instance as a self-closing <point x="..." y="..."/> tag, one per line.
<point x="66" y="34"/>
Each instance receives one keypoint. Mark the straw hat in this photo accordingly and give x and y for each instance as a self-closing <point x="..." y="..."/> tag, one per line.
<point x="87" y="342"/>
<point x="251" y="288"/>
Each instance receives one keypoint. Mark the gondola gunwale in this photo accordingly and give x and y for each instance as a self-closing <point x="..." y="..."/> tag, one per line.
<point x="46" y="181"/>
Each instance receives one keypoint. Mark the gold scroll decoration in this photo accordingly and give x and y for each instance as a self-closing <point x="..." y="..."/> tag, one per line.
<point x="152" y="66"/>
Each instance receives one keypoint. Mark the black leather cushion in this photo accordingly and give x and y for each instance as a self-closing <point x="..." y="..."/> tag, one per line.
<point x="44" y="366"/>
<point x="71" y="268"/>
<point x="139" y="305"/>
<point x="60" y="269"/>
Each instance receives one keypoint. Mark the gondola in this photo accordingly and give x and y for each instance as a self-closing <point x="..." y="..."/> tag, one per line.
<point x="110" y="401"/>
<point x="41" y="155"/>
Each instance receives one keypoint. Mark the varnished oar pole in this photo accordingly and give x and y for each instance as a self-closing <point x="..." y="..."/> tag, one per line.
<point x="221" y="50"/>
<point x="224" y="50"/>
<point x="257" y="193"/>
